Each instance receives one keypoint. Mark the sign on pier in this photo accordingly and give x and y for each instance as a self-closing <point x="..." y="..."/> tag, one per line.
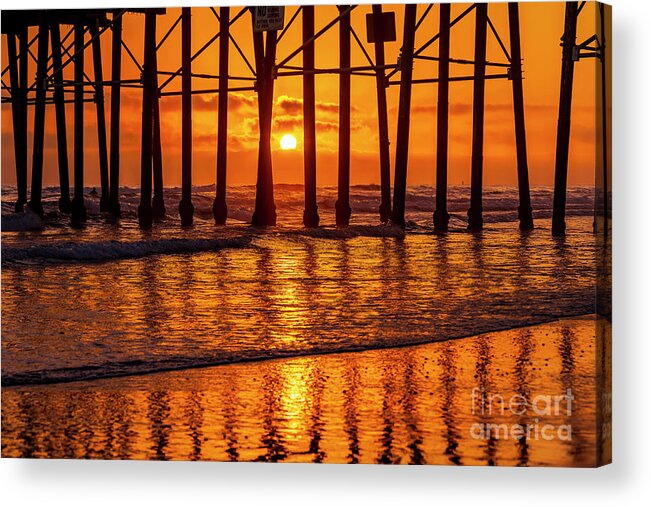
<point x="267" y="19"/>
<point x="388" y="20"/>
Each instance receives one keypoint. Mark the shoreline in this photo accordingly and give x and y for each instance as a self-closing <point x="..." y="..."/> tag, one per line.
<point x="289" y="356"/>
<point x="394" y="405"/>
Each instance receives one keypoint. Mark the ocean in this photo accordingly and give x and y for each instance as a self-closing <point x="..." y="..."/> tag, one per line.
<point x="109" y="300"/>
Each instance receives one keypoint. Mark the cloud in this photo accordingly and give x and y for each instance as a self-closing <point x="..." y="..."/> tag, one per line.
<point x="421" y="109"/>
<point x="290" y="105"/>
<point x="329" y="125"/>
<point x="204" y="141"/>
<point x="205" y="102"/>
<point x="242" y="142"/>
<point x="294" y="106"/>
<point x="288" y="122"/>
<point x="251" y="125"/>
<point x="237" y="101"/>
<point x="331" y="107"/>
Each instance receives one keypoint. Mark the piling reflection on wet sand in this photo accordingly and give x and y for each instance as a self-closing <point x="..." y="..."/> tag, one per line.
<point x="420" y="404"/>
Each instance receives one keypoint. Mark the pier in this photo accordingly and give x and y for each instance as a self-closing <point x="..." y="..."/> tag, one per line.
<point x="593" y="47"/>
<point x="272" y="59"/>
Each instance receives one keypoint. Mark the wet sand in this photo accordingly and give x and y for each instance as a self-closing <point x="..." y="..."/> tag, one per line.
<point x="418" y="404"/>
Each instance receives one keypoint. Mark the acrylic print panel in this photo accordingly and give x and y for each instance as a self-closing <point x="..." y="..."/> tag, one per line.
<point x="354" y="234"/>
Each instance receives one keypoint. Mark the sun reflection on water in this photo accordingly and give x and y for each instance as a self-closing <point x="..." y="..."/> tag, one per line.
<point x="385" y="406"/>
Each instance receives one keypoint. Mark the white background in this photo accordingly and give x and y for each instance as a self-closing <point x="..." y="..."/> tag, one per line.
<point x="627" y="481"/>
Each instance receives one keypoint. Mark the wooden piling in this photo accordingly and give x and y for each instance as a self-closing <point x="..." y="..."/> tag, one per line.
<point x="12" y="55"/>
<point x="219" y="207"/>
<point x="186" y="209"/>
<point x="158" y="201"/>
<point x="145" y="215"/>
<point x="101" y="118"/>
<point x="116" y="74"/>
<point x="310" y="213"/>
<point x="475" y="219"/>
<point x="61" y="126"/>
<point x="404" y="107"/>
<point x="441" y="215"/>
<point x="39" y="117"/>
<point x="604" y="116"/>
<point x="342" y="206"/>
<point x="382" y="115"/>
<point x="78" y="207"/>
<point x="524" y="210"/>
<point x="564" y="120"/>
<point x="258" y="51"/>
<point x="21" y="162"/>
<point x="265" y="208"/>
<point x="16" y="114"/>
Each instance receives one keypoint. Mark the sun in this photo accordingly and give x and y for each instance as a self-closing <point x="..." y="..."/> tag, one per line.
<point x="288" y="142"/>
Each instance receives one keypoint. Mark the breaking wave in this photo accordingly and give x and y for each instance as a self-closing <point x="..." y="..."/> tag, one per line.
<point x="353" y="231"/>
<point x="115" y="250"/>
<point x="115" y="369"/>
<point x="27" y="221"/>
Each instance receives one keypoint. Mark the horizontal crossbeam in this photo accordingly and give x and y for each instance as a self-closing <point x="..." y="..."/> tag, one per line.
<point x="453" y="79"/>
<point x="211" y="91"/>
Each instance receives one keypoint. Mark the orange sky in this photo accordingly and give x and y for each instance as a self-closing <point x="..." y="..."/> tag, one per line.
<point x="541" y="27"/>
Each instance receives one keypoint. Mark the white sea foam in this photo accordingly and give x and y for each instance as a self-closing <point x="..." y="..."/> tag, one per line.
<point x="363" y="198"/>
<point x="354" y="231"/>
<point x="26" y="221"/>
<point x="115" y="250"/>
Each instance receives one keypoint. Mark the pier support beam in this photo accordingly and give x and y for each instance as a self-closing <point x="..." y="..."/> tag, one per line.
<point x="265" y="57"/>
<point x="158" y="201"/>
<point x="145" y="215"/>
<point x="21" y="159"/>
<point x="78" y="208"/>
<point x="16" y="113"/>
<point x="39" y="117"/>
<point x="116" y="74"/>
<point x="441" y="215"/>
<point x="14" y="84"/>
<point x="101" y="119"/>
<point x="310" y="213"/>
<point x="605" y="130"/>
<point x="404" y="107"/>
<point x="219" y="208"/>
<point x="342" y="206"/>
<point x="60" y="110"/>
<point x="382" y="116"/>
<point x="564" y="113"/>
<point x="524" y="210"/>
<point x="186" y="209"/>
<point x="475" y="219"/>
